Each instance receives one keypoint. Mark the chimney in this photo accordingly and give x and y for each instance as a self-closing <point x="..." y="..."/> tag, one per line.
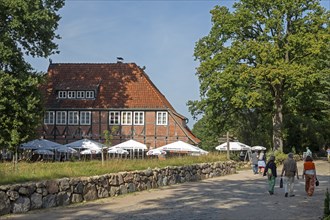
<point x="120" y="60"/>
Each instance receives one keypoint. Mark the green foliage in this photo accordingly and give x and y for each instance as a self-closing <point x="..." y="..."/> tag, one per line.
<point x="107" y="137"/>
<point x="207" y="135"/>
<point x="280" y="157"/>
<point x="27" y="29"/>
<point x="324" y="96"/>
<point x="304" y="131"/>
<point x="20" y="108"/>
<point x="234" y="156"/>
<point x="259" y="67"/>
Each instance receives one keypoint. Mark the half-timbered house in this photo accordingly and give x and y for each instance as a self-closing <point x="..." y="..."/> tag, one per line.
<point x="83" y="100"/>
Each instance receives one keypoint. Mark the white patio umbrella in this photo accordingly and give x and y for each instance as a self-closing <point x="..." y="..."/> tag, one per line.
<point x="64" y="149"/>
<point x="131" y="144"/>
<point x="85" y="144"/>
<point x="233" y="146"/>
<point x="43" y="152"/>
<point x="91" y="151"/>
<point x="40" y="144"/>
<point x="116" y="150"/>
<point x="258" y="148"/>
<point x="155" y="152"/>
<point x="201" y="151"/>
<point x="180" y="146"/>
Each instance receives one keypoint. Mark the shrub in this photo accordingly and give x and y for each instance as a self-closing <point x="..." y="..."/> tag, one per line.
<point x="280" y="157"/>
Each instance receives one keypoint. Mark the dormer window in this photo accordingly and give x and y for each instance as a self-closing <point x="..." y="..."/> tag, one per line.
<point x="62" y="94"/>
<point x="80" y="94"/>
<point x="71" y="94"/>
<point x="89" y="94"/>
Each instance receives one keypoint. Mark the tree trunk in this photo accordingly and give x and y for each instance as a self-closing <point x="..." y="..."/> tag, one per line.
<point x="278" y="95"/>
<point x="228" y="155"/>
<point x="277" y="124"/>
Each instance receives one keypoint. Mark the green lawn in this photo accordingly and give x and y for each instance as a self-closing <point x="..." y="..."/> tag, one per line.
<point x="25" y="172"/>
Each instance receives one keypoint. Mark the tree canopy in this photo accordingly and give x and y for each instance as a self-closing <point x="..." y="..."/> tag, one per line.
<point x="27" y="28"/>
<point x="262" y="65"/>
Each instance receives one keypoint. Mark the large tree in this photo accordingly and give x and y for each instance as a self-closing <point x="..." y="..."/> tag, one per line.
<point x="265" y="57"/>
<point x="27" y="28"/>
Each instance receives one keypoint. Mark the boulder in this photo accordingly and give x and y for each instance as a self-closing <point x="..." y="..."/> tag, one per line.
<point x="49" y="201"/>
<point x="52" y="186"/>
<point x="63" y="198"/>
<point x="4" y="204"/>
<point x="36" y="201"/>
<point x="22" y="204"/>
<point x="76" y="198"/>
<point x="90" y="192"/>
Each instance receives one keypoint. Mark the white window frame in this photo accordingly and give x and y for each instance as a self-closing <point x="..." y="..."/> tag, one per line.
<point x="90" y="95"/>
<point x="71" y="94"/>
<point x="85" y="117"/>
<point x="73" y="117"/>
<point x="80" y="94"/>
<point x="138" y="118"/>
<point x="49" y="118"/>
<point x="114" y="118"/>
<point x="61" y="117"/>
<point x="126" y="118"/>
<point x="62" y="94"/>
<point x="162" y="118"/>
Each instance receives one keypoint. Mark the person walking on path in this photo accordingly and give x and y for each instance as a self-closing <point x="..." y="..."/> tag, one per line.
<point x="289" y="170"/>
<point x="270" y="171"/>
<point x="254" y="158"/>
<point x="309" y="173"/>
<point x="308" y="152"/>
<point x="328" y="151"/>
<point x="261" y="162"/>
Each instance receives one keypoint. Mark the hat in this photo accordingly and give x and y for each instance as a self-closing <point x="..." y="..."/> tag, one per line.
<point x="290" y="155"/>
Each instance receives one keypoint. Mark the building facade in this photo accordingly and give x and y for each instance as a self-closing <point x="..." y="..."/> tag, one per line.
<point x="86" y="100"/>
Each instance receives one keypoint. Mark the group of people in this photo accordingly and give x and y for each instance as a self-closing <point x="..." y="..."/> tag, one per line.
<point x="289" y="172"/>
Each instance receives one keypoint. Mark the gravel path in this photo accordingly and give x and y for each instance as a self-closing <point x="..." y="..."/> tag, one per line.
<point x="238" y="196"/>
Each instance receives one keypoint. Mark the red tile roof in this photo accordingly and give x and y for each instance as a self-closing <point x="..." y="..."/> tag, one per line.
<point x="117" y="85"/>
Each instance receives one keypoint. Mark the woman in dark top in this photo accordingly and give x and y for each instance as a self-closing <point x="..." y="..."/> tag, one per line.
<point x="270" y="171"/>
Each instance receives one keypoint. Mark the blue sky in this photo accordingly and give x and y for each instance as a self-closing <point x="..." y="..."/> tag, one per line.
<point x="159" y="35"/>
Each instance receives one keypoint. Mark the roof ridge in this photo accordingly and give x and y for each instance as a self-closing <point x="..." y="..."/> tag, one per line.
<point x="93" y="63"/>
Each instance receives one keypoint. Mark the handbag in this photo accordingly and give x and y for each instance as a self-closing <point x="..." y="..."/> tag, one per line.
<point x="317" y="183"/>
<point x="281" y="182"/>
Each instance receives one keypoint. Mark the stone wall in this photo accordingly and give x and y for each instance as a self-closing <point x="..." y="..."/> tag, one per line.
<point x="24" y="197"/>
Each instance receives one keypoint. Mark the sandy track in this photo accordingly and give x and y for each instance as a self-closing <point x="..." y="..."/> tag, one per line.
<point x="238" y="196"/>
